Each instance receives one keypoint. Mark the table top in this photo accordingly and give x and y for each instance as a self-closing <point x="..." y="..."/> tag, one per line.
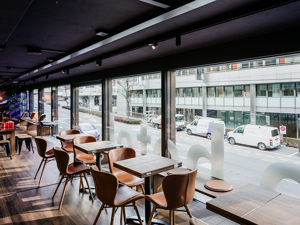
<point x="69" y="138"/>
<point x="281" y="210"/>
<point x="239" y="202"/>
<point x="147" y="165"/>
<point x="6" y="130"/>
<point x="97" y="147"/>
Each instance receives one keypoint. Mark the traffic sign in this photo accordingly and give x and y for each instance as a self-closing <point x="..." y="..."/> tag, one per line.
<point x="196" y="117"/>
<point x="155" y="116"/>
<point x="283" y="129"/>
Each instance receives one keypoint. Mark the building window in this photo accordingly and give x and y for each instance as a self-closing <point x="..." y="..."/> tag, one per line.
<point x="238" y="91"/>
<point x="287" y="90"/>
<point x="228" y="91"/>
<point x="188" y="92"/>
<point x="247" y="91"/>
<point x="298" y="89"/>
<point x="261" y="90"/>
<point x="195" y="92"/>
<point x="180" y="92"/>
<point x="211" y="92"/>
<point x="273" y="90"/>
<point x="219" y="92"/>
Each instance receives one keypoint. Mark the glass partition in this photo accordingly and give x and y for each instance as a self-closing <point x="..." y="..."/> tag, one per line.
<point x="36" y="102"/>
<point x="63" y="116"/>
<point x="47" y="103"/>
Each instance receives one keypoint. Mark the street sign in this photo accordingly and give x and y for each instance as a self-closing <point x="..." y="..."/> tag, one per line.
<point x="196" y="117"/>
<point x="283" y="129"/>
<point x="155" y="116"/>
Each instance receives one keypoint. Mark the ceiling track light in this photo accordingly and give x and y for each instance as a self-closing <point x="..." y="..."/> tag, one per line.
<point x="65" y="71"/>
<point x="154" y="45"/>
<point x="99" y="62"/>
<point x="178" y="40"/>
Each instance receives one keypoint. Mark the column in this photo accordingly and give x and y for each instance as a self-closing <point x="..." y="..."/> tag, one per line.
<point x="253" y="104"/>
<point x="31" y="101"/>
<point x="54" y="109"/>
<point x="204" y="101"/>
<point x="41" y="101"/>
<point x="107" y="92"/>
<point x="144" y="103"/>
<point x="74" y="112"/>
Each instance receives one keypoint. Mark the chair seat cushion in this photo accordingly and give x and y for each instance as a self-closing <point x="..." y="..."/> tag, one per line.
<point x="130" y="180"/>
<point x="4" y="141"/>
<point x="25" y="136"/>
<point x="80" y="168"/>
<point x="68" y="148"/>
<point x="126" y="195"/>
<point x="49" y="154"/>
<point x="158" y="199"/>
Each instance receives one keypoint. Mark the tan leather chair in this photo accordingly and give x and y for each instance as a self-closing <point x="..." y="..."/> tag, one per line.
<point x="68" y="146"/>
<point x="126" y="178"/>
<point x="62" y="160"/>
<point x="178" y="191"/>
<point x="110" y="192"/>
<point x="79" y="155"/>
<point x="41" y="145"/>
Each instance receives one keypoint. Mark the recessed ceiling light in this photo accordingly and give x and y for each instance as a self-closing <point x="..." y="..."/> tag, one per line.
<point x="154" y="45"/>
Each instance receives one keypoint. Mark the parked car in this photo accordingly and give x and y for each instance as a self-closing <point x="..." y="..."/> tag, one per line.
<point x="87" y="128"/>
<point x="179" y="122"/>
<point x="202" y="126"/>
<point x="262" y="137"/>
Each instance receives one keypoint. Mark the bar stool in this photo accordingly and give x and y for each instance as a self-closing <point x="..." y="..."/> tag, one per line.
<point x="28" y="142"/>
<point x="114" y="194"/>
<point x="67" y="170"/>
<point x="41" y="145"/>
<point x="6" y="145"/>
<point x="68" y="146"/>
<point x="178" y="191"/>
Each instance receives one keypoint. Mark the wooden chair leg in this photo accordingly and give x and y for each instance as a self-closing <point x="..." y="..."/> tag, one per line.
<point x="97" y="217"/>
<point x="43" y="171"/>
<point x="39" y="168"/>
<point x="112" y="216"/>
<point x="62" y="177"/>
<point x="63" y="194"/>
<point x="124" y="214"/>
<point x="143" y="190"/>
<point x="170" y="217"/>
<point x="31" y="145"/>
<point x="173" y="216"/>
<point x="121" y="216"/>
<point x="137" y="213"/>
<point x="87" y="182"/>
<point x="152" y="213"/>
<point x="188" y="211"/>
<point x="83" y="189"/>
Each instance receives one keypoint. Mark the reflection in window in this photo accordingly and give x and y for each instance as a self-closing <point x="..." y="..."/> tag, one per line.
<point x="219" y="92"/>
<point x="247" y="91"/>
<point x="195" y="92"/>
<point x="228" y="91"/>
<point x="188" y="92"/>
<point x="238" y="91"/>
<point x="273" y="90"/>
<point x="211" y="92"/>
<point x="287" y="90"/>
<point x="298" y="89"/>
<point x="64" y="95"/>
<point x="261" y="90"/>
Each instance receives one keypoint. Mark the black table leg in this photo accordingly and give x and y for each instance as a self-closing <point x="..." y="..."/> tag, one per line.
<point x="98" y="160"/>
<point x="148" y="207"/>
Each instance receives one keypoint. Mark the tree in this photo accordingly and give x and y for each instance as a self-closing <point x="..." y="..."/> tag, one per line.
<point x="126" y="86"/>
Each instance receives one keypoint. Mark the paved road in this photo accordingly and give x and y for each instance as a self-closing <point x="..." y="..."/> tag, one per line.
<point x="243" y="164"/>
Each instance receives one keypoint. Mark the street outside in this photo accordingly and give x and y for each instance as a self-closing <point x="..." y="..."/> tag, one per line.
<point x="243" y="164"/>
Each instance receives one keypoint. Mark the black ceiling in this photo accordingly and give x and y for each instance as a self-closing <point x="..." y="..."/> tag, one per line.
<point x="70" y="26"/>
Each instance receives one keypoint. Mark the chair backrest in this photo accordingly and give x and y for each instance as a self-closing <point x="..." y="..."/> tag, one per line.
<point x="175" y="189"/>
<point x="81" y="140"/>
<point x="23" y="115"/>
<point x="118" y="155"/>
<point x="67" y="132"/>
<point x="41" y="145"/>
<point x="191" y="186"/>
<point x="32" y="115"/>
<point x="106" y="186"/>
<point x="62" y="160"/>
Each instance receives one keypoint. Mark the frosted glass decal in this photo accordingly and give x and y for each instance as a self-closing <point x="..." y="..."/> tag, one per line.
<point x="195" y="152"/>
<point x="112" y="127"/>
<point x="126" y="135"/>
<point x="277" y="172"/>
<point x="217" y="150"/>
<point x="172" y="149"/>
<point x="144" y="139"/>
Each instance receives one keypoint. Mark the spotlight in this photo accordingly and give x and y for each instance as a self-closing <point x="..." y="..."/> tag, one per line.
<point x="47" y="77"/>
<point x="65" y="71"/>
<point x="178" y="40"/>
<point x="154" y="45"/>
<point x="99" y="62"/>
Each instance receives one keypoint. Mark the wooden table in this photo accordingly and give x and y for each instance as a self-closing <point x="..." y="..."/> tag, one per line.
<point x="250" y="204"/>
<point x="12" y="139"/>
<point x="32" y="124"/>
<point x="97" y="148"/>
<point x="70" y="137"/>
<point x="144" y="167"/>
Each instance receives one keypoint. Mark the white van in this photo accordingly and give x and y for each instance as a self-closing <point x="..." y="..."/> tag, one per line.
<point x="149" y="116"/>
<point x="202" y="126"/>
<point x="179" y="121"/>
<point x="254" y="135"/>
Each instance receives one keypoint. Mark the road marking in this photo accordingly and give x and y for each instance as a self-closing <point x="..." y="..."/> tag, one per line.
<point x="268" y="160"/>
<point x="243" y="155"/>
<point x="293" y="154"/>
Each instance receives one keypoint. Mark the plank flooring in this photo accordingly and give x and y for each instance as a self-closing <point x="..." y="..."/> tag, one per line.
<point x="22" y="201"/>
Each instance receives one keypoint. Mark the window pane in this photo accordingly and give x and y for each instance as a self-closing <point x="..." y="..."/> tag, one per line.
<point x="181" y="92"/>
<point x="238" y="91"/>
<point x="273" y="90"/>
<point x="229" y="121"/>
<point x="195" y="92"/>
<point x="188" y="92"/>
<point x="238" y="118"/>
<point x="219" y="92"/>
<point x="246" y="118"/>
<point x="228" y="91"/>
<point x="298" y="89"/>
<point x="63" y="93"/>
<point x="35" y="103"/>
<point x="47" y="103"/>
<point x="287" y="89"/>
<point x="261" y="90"/>
<point x="200" y="92"/>
<point x="211" y="92"/>
<point x="247" y="91"/>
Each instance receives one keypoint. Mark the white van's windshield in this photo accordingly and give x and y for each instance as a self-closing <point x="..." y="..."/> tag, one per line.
<point x="179" y="119"/>
<point x="274" y="133"/>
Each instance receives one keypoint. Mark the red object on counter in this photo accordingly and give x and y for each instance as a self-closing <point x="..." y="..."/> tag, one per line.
<point x="3" y="125"/>
<point x="11" y="125"/>
<point x="7" y="125"/>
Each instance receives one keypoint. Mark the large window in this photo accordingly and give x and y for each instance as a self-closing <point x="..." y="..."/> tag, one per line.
<point x="273" y="90"/>
<point x="219" y="92"/>
<point x="261" y="90"/>
<point x="63" y="115"/>
<point x="238" y="91"/>
<point x="36" y="103"/>
<point x="228" y="92"/>
<point x="287" y="90"/>
<point x="195" y="92"/>
<point x="211" y="92"/>
<point x="47" y="103"/>
<point x="188" y="92"/>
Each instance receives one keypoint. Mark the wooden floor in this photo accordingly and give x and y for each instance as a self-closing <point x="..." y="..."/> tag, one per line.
<point x="23" y="202"/>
